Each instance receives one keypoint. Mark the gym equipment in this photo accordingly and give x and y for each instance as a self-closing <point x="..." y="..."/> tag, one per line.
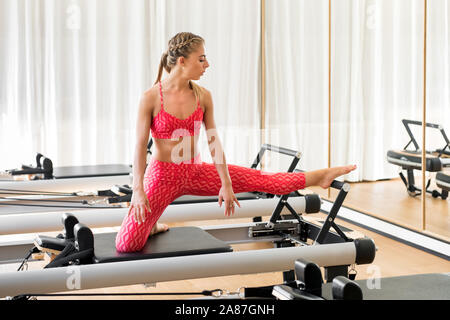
<point x="412" y="160"/>
<point x="44" y="179"/>
<point x="180" y="253"/>
<point x="44" y="170"/>
<point x="309" y="285"/>
<point x="183" y="253"/>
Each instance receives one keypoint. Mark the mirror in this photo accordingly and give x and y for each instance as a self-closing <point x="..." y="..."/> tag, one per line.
<point x="437" y="219"/>
<point x="377" y="81"/>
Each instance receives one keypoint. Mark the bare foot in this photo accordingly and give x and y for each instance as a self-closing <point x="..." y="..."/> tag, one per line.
<point x="158" y="228"/>
<point x="333" y="173"/>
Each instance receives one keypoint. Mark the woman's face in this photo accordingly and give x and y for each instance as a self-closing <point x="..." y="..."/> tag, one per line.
<point x="195" y="65"/>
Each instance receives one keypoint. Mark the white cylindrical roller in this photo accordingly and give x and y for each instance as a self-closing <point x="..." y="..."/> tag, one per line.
<point x="98" y="218"/>
<point x="172" y="269"/>
<point x="68" y="185"/>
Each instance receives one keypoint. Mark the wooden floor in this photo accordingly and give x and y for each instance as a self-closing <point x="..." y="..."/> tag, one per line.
<point x="387" y="199"/>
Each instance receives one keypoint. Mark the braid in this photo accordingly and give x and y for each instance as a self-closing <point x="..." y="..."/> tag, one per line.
<point x="175" y="47"/>
<point x="182" y="42"/>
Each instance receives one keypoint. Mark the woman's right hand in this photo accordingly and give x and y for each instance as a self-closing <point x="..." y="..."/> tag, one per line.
<point x="140" y="204"/>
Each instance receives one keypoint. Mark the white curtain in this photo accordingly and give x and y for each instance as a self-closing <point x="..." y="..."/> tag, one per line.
<point x="297" y="80"/>
<point x="72" y="73"/>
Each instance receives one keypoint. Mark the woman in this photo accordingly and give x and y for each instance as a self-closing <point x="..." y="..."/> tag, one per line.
<point x="174" y="111"/>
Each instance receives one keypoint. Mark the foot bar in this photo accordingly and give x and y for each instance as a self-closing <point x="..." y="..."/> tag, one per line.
<point x="179" y="268"/>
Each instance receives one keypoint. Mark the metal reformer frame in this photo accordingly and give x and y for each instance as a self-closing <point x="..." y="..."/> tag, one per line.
<point x="410" y="181"/>
<point x="289" y="232"/>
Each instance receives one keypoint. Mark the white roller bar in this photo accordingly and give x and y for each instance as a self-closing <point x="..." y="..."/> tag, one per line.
<point x="91" y="184"/>
<point x="173" y="268"/>
<point x="98" y="218"/>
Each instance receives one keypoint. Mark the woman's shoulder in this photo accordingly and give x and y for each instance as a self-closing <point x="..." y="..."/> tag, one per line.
<point x="152" y="92"/>
<point x="204" y="90"/>
<point x="150" y="97"/>
<point x="206" y="96"/>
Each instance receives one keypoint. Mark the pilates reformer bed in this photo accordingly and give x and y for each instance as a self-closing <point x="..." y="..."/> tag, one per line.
<point x="44" y="179"/>
<point x="186" y="253"/>
<point x="411" y="160"/>
<point x="192" y="252"/>
<point x="193" y="208"/>
<point x="45" y="217"/>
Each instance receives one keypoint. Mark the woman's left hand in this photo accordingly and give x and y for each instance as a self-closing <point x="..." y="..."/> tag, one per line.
<point x="226" y="194"/>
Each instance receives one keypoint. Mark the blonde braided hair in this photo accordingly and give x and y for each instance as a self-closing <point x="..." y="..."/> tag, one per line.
<point x="180" y="45"/>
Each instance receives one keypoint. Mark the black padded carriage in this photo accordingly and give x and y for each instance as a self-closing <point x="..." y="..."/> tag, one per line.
<point x="180" y="241"/>
<point x="443" y="180"/>
<point x="79" y="243"/>
<point x="44" y="167"/>
<point x="413" y="160"/>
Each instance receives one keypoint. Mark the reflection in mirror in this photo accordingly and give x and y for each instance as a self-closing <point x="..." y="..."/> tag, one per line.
<point x="377" y="81"/>
<point x="438" y="111"/>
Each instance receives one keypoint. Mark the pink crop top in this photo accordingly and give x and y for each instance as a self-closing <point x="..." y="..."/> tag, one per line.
<point x="166" y="126"/>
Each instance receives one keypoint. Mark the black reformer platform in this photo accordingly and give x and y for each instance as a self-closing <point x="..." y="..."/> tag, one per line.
<point x="77" y="244"/>
<point x="443" y="180"/>
<point x="44" y="170"/>
<point x="411" y="160"/>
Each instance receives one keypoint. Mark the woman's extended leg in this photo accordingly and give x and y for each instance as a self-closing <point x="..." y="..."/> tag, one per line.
<point x="207" y="181"/>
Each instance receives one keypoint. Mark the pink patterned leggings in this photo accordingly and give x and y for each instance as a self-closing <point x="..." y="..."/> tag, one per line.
<point x="166" y="181"/>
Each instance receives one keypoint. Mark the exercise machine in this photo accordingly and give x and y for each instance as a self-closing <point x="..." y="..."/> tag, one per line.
<point x="44" y="179"/>
<point x="180" y="253"/>
<point x="411" y="160"/>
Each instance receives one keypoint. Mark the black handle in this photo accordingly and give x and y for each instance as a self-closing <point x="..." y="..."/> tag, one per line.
<point x="337" y="184"/>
